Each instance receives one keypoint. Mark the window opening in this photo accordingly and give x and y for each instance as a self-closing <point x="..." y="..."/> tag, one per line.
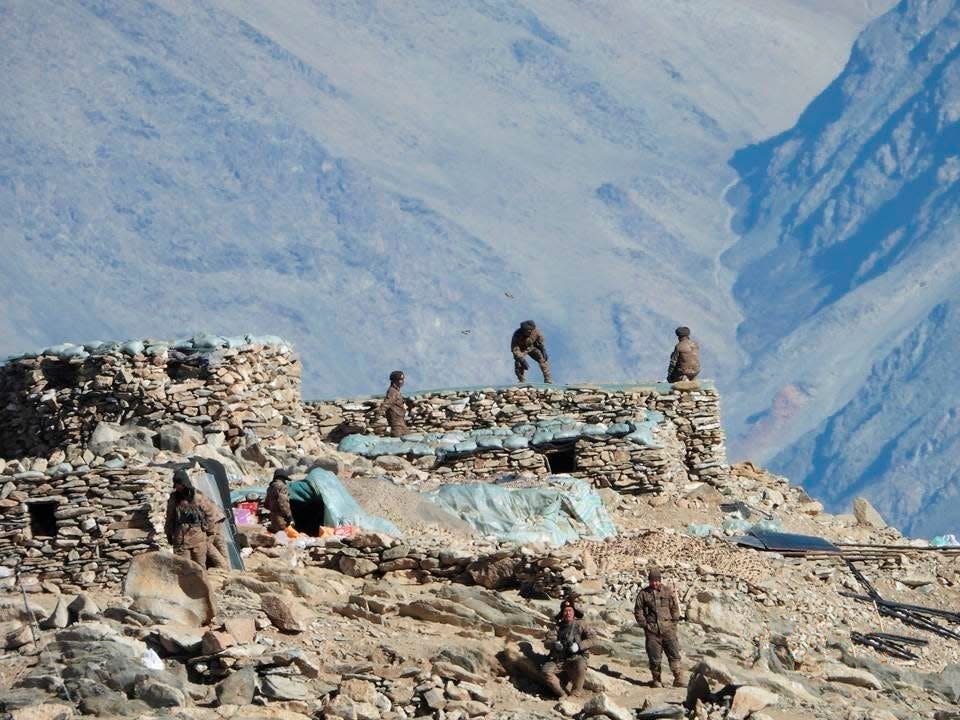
<point x="43" y="522"/>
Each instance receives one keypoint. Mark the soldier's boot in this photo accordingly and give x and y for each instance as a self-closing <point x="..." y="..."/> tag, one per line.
<point x="679" y="677"/>
<point x="655" y="675"/>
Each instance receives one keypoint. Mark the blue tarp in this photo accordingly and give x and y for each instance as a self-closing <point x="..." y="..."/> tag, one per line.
<point x="564" y="511"/>
<point x="449" y="445"/>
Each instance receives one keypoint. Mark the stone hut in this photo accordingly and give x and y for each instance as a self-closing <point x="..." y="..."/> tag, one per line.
<point x="635" y="438"/>
<point x="53" y="400"/>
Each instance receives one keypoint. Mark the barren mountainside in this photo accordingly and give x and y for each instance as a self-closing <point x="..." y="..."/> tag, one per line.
<point x="847" y="274"/>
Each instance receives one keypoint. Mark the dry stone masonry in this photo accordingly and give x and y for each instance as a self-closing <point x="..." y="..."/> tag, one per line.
<point x="55" y="399"/>
<point x="80" y="526"/>
<point x="688" y="439"/>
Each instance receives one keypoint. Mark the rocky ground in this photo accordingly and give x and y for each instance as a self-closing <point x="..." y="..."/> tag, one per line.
<point x="290" y="639"/>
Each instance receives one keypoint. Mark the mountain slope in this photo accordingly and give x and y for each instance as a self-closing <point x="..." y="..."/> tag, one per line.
<point x="848" y="276"/>
<point x="373" y="180"/>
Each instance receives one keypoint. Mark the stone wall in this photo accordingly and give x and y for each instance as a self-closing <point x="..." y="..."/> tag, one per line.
<point x="55" y="399"/>
<point x="611" y="462"/>
<point x="79" y="527"/>
<point x="691" y="412"/>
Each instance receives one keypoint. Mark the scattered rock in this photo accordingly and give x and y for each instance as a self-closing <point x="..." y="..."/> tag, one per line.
<point x="749" y="699"/>
<point x="157" y="694"/>
<point x="238" y="688"/>
<point x="356" y="567"/>
<point x="59" y="618"/>
<point x="82" y="608"/>
<point x="243" y="629"/>
<point x="603" y="705"/>
<point x="282" y="613"/>
<point x="852" y="676"/>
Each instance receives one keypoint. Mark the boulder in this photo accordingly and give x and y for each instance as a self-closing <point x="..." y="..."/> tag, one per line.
<point x="179" y="438"/>
<point x="59" y="618"/>
<point x="215" y="642"/>
<point x="867" y="515"/>
<point x="44" y="711"/>
<point x="170" y="588"/>
<point x="242" y="629"/>
<point x="14" y="635"/>
<point x="495" y="574"/>
<point x="719" y="612"/>
<point x="750" y="699"/>
<point x="283" y="613"/>
<point x="82" y="608"/>
<point x="852" y="676"/>
<point x="603" y="705"/>
<point x="157" y="694"/>
<point x="356" y="567"/>
<point x="283" y="687"/>
<point x="238" y="688"/>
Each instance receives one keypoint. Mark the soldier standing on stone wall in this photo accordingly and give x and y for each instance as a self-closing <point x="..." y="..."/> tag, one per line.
<point x="658" y="611"/>
<point x="393" y="406"/>
<point x="527" y="340"/>
<point x="685" y="359"/>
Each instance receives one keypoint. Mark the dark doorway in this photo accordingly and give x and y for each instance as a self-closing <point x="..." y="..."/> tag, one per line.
<point x="59" y="374"/>
<point x="307" y="516"/>
<point x="43" y="522"/>
<point x="562" y="460"/>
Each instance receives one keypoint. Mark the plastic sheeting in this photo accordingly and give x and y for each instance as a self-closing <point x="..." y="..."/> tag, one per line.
<point x="339" y="507"/>
<point x="451" y="445"/>
<point x="564" y="511"/>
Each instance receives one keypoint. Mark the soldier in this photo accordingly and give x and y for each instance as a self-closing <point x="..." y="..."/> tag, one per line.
<point x="658" y="611"/>
<point x="217" y="553"/>
<point x="187" y="522"/>
<point x="393" y="406"/>
<point x="277" y="502"/>
<point x="568" y="653"/>
<point x="685" y="360"/>
<point x="527" y="340"/>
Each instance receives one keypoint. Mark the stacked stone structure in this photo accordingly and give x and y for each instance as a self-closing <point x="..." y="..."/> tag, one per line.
<point x="79" y="526"/>
<point x="54" y="400"/>
<point x="689" y="441"/>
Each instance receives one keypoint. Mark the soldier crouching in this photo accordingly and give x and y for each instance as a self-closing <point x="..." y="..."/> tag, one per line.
<point x="568" y="653"/>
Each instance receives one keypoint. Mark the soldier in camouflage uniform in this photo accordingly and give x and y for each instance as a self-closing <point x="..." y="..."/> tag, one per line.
<point x="393" y="406"/>
<point x="527" y="340"/>
<point x="658" y="611"/>
<point x="186" y="522"/>
<point x="568" y="652"/>
<point x="277" y="502"/>
<point x="685" y="359"/>
<point x="217" y="552"/>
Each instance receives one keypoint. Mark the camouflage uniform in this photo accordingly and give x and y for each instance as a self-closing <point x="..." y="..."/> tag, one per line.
<point x="533" y="344"/>
<point x="217" y="553"/>
<point x="658" y="612"/>
<point x="685" y="361"/>
<point x="277" y="503"/>
<point x="395" y="410"/>
<point x="565" y="664"/>
<point x="185" y="528"/>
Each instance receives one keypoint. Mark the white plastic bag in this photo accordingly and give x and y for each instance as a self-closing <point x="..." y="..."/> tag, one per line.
<point x="151" y="660"/>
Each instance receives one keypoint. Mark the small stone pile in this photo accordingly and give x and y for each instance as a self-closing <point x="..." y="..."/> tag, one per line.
<point x="77" y="526"/>
<point x="55" y="399"/>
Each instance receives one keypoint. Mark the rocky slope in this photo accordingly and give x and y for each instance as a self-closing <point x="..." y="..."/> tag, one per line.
<point x="434" y="625"/>
<point x="847" y="276"/>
